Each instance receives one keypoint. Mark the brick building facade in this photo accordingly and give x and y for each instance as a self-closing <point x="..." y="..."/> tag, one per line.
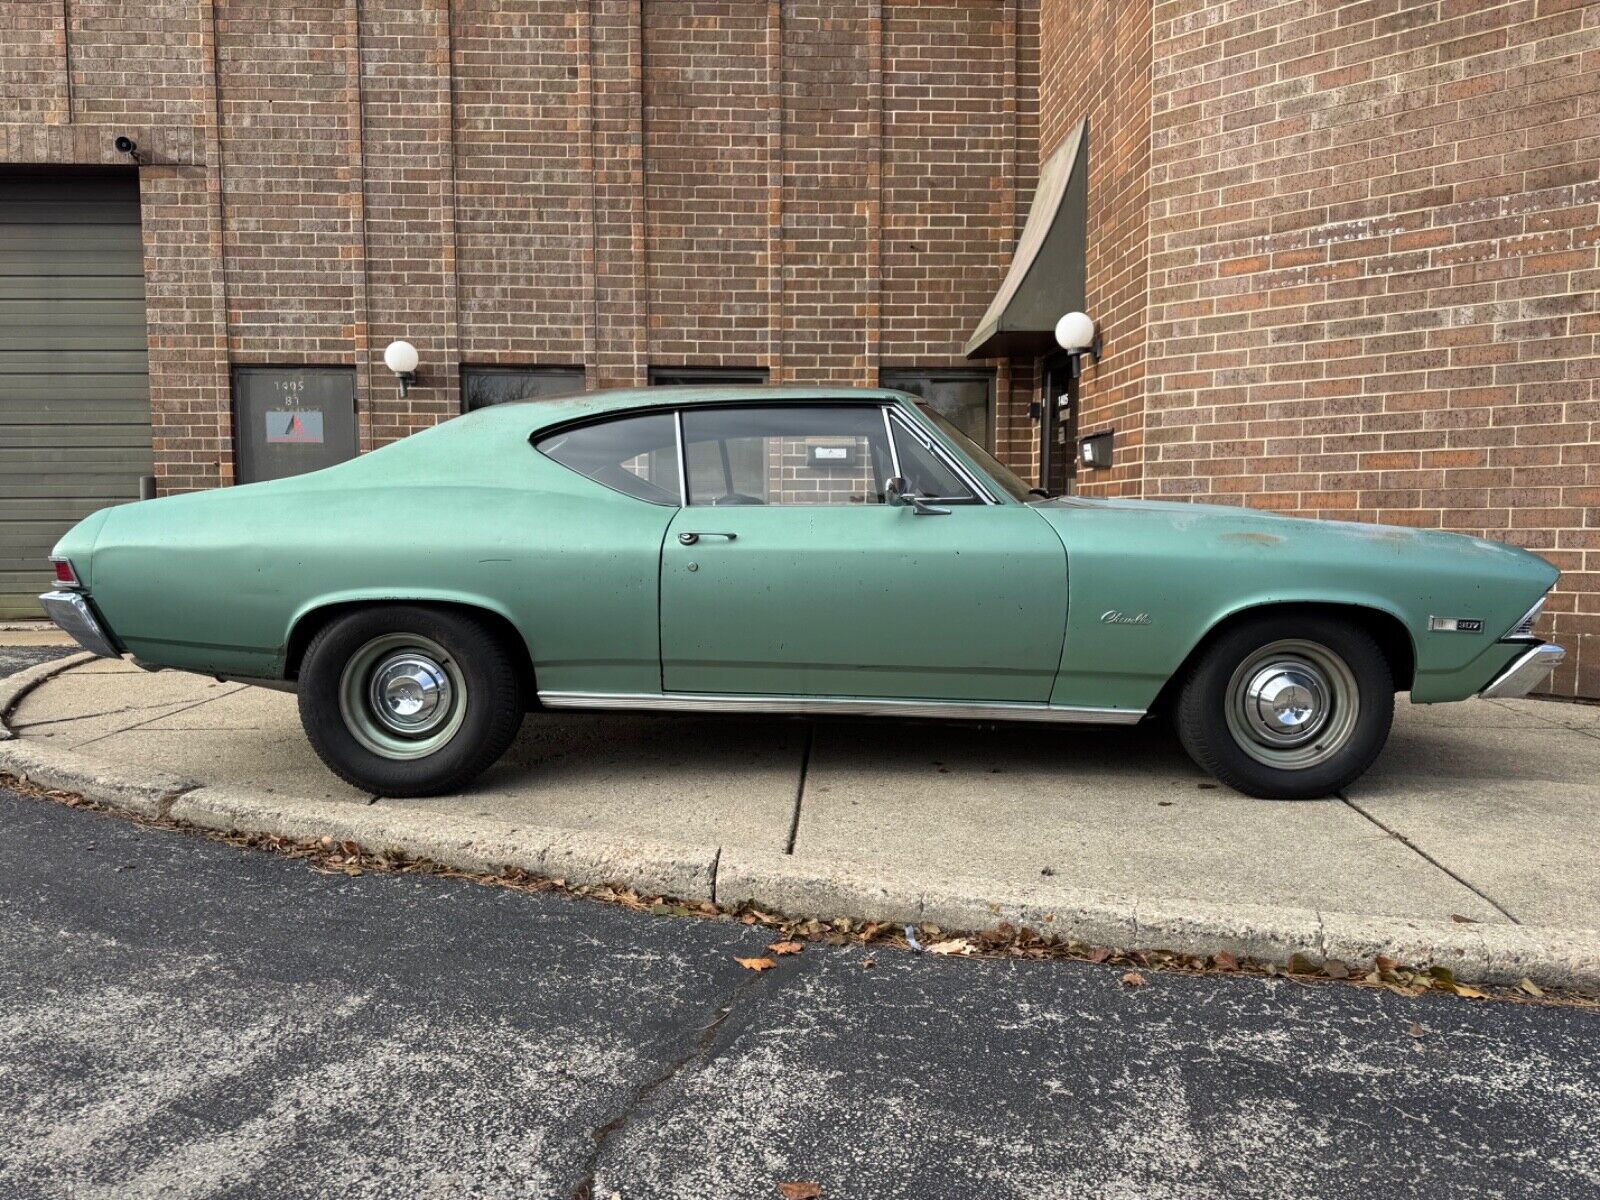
<point x="1345" y="257"/>
<point x="1343" y="253"/>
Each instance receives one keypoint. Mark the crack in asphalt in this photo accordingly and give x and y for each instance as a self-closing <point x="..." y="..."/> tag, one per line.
<point x="697" y="1054"/>
<point x="800" y="786"/>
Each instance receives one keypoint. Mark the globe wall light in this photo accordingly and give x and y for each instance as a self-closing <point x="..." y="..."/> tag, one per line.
<point x="401" y="358"/>
<point x="1076" y="334"/>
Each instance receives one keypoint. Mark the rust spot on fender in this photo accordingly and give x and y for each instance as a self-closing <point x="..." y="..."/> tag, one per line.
<point x="1253" y="539"/>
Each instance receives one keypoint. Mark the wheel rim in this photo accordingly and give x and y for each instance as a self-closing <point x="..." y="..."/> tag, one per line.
<point x="402" y="696"/>
<point x="1293" y="704"/>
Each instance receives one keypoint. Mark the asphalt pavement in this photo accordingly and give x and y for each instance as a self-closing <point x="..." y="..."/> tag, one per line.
<point x="182" y="1018"/>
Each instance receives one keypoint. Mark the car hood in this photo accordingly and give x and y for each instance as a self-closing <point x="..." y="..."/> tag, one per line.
<point x="1228" y="531"/>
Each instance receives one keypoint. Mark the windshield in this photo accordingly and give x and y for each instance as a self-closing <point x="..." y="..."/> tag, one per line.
<point x="1010" y="482"/>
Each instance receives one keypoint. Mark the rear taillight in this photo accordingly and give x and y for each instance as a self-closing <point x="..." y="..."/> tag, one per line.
<point x="65" y="575"/>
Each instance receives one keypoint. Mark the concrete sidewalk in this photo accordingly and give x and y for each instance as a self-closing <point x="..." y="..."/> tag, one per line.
<point x="1486" y="810"/>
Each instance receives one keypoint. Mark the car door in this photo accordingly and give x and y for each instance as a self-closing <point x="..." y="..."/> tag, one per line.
<point x="788" y="573"/>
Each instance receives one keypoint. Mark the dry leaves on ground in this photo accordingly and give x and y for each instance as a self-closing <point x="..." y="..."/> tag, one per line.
<point x="1133" y="979"/>
<point x="785" y="948"/>
<point x="755" y="964"/>
<point x="804" y="1190"/>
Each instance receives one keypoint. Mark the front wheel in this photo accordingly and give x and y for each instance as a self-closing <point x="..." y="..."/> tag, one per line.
<point x="403" y="700"/>
<point x="1289" y="707"/>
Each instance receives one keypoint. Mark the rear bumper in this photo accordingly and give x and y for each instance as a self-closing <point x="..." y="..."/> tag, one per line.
<point x="1526" y="672"/>
<point x="72" y="613"/>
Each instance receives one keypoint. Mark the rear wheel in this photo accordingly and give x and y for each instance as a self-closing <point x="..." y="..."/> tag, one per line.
<point x="404" y="700"/>
<point x="1292" y="707"/>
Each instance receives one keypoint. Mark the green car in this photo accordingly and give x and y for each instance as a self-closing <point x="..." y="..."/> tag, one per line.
<point x="786" y="550"/>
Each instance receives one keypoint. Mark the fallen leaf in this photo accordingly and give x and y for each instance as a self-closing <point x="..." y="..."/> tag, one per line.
<point x="1470" y="993"/>
<point x="1416" y="1030"/>
<point x="755" y="964"/>
<point x="953" y="946"/>
<point x="1225" y="961"/>
<point x="1460" y="920"/>
<point x="799" y="1191"/>
<point x="1532" y="988"/>
<point x="1133" y="979"/>
<point x="1334" y="969"/>
<point x="1384" y="963"/>
<point x="1099" y="954"/>
<point x="783" y="948"/>
<point x="1299" y="964"/>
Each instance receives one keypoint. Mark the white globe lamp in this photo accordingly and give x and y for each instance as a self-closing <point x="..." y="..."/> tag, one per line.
<point x="401" y="358"/>
<point x="1076" y="334"/>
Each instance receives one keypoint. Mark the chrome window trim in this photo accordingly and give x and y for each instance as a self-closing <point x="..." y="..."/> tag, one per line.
<point x="683" y="460"/>
<point x="888" y="432"/>
<point x="939" y="452"/>
<point x="975" y="710"/>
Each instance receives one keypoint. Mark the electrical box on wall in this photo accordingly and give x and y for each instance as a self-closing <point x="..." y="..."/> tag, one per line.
<point x="1095" y="451"/>
<point x="826" y="457"/>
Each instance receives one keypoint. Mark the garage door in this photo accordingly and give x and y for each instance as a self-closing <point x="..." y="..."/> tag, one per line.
<point x="74" y="382"/>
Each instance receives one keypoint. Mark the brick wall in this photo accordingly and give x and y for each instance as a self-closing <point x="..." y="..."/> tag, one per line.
<point x="820" y="187"/>
<point x="1097" y="66"/>
<point x="1373" y="268"/>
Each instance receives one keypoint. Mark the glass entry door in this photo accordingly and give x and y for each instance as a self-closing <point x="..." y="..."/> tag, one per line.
<point x="1058" y="427"/>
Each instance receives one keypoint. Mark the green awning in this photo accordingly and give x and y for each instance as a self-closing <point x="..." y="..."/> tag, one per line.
<point x="1046" y="278"/>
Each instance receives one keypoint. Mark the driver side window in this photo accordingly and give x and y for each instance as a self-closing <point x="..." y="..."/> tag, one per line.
<point x="809" y="455"/>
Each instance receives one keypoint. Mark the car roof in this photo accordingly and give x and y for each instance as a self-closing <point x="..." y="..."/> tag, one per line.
<point x="560" y="409"/>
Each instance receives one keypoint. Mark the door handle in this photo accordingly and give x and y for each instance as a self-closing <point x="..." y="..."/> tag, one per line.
<point x="689" y="539"/>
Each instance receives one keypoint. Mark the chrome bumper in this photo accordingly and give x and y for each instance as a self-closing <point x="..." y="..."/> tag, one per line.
<point x="72" y="613"/>
<point x="1526" y="672"/>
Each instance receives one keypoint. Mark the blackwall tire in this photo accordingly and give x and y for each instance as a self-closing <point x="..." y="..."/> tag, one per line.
<point x="407" y="700"/>
<point x="1288" y="707"/>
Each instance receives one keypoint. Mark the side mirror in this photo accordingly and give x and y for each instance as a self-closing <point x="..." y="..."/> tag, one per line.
<point x="897" y="493"/>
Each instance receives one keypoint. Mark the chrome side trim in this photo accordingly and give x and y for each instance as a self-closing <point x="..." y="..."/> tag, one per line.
<point x="71" y="612"/>
<point x="816" y="706"/>
<point x="1526" y="672"/>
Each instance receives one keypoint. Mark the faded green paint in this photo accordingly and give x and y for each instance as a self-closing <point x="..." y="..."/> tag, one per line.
<point x="865" y="600"/>
<point x="853" y="601"/>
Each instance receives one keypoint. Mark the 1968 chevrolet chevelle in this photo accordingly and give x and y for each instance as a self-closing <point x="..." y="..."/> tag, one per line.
<point x="786" y="550"/>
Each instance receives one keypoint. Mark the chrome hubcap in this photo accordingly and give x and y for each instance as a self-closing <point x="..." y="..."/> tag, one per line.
<point x="410" y="693"/>
<point x="1292" y="704"/>
<point x="403" y="696"/>
<point x="1286" y="702"/>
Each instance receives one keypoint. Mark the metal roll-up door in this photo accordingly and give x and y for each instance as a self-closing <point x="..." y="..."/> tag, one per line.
<point x="74" y="376"/>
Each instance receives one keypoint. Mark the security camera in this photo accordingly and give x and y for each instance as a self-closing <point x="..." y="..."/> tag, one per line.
<point x="126" y="145"/>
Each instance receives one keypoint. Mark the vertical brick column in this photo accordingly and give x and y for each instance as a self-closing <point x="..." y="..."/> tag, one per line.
<point x="621" y="315"/>
<point x="408" y="194"/>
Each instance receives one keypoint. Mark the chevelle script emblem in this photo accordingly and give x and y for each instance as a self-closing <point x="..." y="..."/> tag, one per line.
<point x="1113" y="617"/>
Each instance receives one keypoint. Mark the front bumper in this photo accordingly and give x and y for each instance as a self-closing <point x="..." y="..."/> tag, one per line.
<point x="72" y="613"/>
<point x="1526" y="672"/>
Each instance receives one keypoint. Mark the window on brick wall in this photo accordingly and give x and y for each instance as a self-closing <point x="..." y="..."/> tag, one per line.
<point x="831" y="455"/>
<point x="483" y="386"/>
<point x="706" y="376"/>
<point x="965" y="396"/>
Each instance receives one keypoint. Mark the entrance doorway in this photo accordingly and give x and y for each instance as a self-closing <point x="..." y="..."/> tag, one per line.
<point x="1058" y="427"/>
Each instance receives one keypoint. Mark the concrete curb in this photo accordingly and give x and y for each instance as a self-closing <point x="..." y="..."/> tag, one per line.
<point x="479" y="844"/>
<point x="796" y="885"/>
<point x="14" y="687"/>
